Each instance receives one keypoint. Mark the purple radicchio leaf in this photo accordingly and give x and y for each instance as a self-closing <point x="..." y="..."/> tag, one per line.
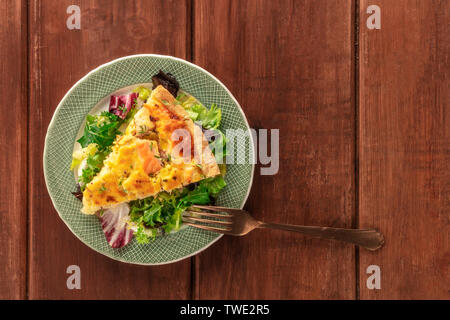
<point x="121" y="105"/>
<point x="114" y="225"/>
<point x="167" y="80"/>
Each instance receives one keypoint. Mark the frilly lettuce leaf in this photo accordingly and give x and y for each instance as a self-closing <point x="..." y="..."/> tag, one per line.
<point x="79" y="155"/>
<point x="209" y="118"/>
<point x="162" y="213"/>
<point x="101" y="130"/>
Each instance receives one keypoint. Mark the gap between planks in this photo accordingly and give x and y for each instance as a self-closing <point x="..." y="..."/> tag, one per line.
<point x="355" y="42"/>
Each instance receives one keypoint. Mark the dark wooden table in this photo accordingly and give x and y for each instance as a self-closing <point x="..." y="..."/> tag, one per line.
<point x="364" y="125"/>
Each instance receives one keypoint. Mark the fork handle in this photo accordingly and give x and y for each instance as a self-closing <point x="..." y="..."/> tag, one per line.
<point x="369" y="239"/>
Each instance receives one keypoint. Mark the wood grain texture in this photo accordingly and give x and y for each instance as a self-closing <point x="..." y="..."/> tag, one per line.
<point x="13" y="155"/>
<point x="404" y="147"/>
<point x="58" y="58"/>
<point x="289" y="64"/>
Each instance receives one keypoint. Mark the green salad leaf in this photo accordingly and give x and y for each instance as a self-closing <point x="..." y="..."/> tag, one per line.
<point x="209" y="118"/>
<point x="213" y="185"/>
<point x="100" y="129"/>
<point x="162" y="213"/>
<point x="94" y="163"/>
<point x="141" y="237"/>
<point x="199" y="195"/>
<point x="79" y="155"/>
<point x="143" y="92"/>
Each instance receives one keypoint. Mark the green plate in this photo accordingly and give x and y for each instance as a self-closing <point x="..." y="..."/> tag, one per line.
<point x="68" y="119"/>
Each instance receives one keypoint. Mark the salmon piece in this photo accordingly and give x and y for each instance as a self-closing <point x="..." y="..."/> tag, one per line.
<point x="149" y="161"/>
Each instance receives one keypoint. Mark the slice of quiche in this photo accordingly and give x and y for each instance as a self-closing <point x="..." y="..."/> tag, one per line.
<point x="161" y="150"/>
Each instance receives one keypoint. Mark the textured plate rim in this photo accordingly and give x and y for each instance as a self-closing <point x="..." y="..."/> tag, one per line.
<point x="150" y="55"/>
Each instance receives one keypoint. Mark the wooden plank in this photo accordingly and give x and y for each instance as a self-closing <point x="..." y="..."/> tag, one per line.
<point x="58" y="58"/>
<point x="404" y="147"/>
<point x="289" y="64"/>
<point x="13" y="146"/>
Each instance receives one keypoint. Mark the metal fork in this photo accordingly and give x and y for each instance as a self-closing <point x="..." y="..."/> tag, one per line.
<point x="238" y="222"/>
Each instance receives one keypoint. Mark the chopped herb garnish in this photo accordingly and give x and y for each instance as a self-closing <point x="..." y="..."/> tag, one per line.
<point x="143" y="129"/>
<point x="122" y="108"/>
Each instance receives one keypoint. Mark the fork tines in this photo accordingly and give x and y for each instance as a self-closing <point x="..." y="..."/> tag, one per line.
<point x="217" y="222"/>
